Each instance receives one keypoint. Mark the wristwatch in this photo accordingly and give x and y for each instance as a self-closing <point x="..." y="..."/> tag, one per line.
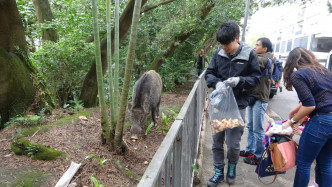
<point x="293" y="122"/>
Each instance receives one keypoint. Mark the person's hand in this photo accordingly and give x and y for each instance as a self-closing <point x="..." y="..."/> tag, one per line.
<point x="215" y="91"/>
<point x="297" y="131"/>
<point x="220" y="88"/>
<point x="287" y="124"/>
<point x="292" y="114"/>
<point x="220" y="85"/>
<point x="232" y="81"/>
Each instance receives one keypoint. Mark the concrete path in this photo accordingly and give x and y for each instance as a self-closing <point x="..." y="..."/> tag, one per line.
<point x="246" y="176"/>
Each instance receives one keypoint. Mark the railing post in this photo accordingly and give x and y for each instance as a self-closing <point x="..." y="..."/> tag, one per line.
<point x="167" y="170"/>
<point x="185" y="154"/>
<point x="177" y="147"/>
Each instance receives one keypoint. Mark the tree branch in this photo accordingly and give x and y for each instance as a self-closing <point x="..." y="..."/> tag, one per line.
<point x="171" y="46"/>
<point x="150" y="7"/>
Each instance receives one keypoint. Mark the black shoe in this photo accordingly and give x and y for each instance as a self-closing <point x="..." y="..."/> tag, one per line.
<point x="217" y="178"/>
<point x="253" y="160"/>
<point x="245" y="153"/>
<point x="231" y="173"/>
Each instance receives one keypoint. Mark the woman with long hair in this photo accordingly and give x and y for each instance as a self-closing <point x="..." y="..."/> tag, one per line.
<point x="313" y="84"/>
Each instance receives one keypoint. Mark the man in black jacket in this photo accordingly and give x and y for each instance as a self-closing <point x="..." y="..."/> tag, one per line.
<point x="235" y="64"/>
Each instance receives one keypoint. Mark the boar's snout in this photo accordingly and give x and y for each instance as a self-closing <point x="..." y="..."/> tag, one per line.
<point x="135" y="131"/>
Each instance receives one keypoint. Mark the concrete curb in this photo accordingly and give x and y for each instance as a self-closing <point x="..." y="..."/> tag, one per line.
<point x="201" y="147"/>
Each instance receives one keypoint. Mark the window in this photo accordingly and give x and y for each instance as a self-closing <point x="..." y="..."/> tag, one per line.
<point x="283" y="47"/>
<point x="277" y="47"/>
<point x="304" y="42"/>
<point x="301" y="42"/>
<point x="289" y="45"/>
<point x="298" y="29"/>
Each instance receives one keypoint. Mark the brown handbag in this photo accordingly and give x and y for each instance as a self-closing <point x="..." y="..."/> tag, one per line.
<point x="283" y="154"/>
<point x="276" y="156"/>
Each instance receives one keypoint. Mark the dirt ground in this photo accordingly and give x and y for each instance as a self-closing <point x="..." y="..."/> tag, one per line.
<point x="79" y="139"/>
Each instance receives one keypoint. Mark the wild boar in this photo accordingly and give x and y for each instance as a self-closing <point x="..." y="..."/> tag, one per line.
<point x="146" y="98"/>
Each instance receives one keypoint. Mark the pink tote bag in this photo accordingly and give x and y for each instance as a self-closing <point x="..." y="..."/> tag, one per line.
<point x="288" y="151"/>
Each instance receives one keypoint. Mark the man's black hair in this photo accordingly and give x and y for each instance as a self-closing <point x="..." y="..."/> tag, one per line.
<point x="266" y="43"/>
<point x="228" y="32"/>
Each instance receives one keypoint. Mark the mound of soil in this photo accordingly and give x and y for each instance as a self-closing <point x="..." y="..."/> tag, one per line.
<point x="79" y="139"/>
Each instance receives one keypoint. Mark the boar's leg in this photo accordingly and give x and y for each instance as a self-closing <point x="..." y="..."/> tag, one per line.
<point x="157" y="109"/>
<point x="153" y="115"/>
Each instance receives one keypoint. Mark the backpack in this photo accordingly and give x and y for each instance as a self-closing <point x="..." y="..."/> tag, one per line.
<point x="267" y="68"/>
<point x="275" y="75"/>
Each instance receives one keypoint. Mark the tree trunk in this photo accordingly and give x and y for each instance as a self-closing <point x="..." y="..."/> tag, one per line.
<point x="117" y="60"/>
<point x="104" y="116"/>
<point x="245" y="20"/>
<point x="173" y="44"/>
<point x="110" y="71"/>
<point x="127" y="77"/>
<point x="89" y="88"/>
<point x="17" y="91"/>
<point x="44" y="14"/>
<point x="209" y="43"/>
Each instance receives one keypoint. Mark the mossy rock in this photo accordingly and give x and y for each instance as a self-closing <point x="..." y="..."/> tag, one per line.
<point x="24" y="177"/>
<point x="22" y="146"/>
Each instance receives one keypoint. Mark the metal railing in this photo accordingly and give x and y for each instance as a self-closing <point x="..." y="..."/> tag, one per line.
<point x="172" y="163"/>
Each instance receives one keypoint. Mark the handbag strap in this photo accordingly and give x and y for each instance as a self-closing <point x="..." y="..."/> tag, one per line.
<point x="290" y="140"/>
<point x="259" y="165"/>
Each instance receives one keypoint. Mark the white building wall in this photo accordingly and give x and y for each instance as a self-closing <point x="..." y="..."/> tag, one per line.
<point x="295" y="25"/>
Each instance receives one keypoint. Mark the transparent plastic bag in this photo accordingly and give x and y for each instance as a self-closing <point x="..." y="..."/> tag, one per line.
<point x="223" y="110"/>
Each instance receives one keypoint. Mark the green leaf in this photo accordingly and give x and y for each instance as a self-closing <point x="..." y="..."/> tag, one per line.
<point x="95" y="182"/>
<point x="20" y="119"/>
<point x="34" y="117"/>
<point x="104" y="161"/>
<point x="148" y="129"/>
<point x="163" y="115"/>
<point x="165" y="118"/>
<point x="90" y="156"/>
<point x="175" y="115"/>
<point x="194" y="168"/>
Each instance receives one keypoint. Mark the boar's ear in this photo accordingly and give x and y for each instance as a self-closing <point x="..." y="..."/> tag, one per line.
<point x="129" y="106"/>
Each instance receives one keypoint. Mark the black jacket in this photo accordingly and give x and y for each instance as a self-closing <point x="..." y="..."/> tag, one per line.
<point x="201" y="62"/>
<point x="243" y="64"/>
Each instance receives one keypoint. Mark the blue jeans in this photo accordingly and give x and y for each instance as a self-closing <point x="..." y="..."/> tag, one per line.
<point x="315" y="143"/>
<point x="233" y="139"/>
<point x="255" y="127"/>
